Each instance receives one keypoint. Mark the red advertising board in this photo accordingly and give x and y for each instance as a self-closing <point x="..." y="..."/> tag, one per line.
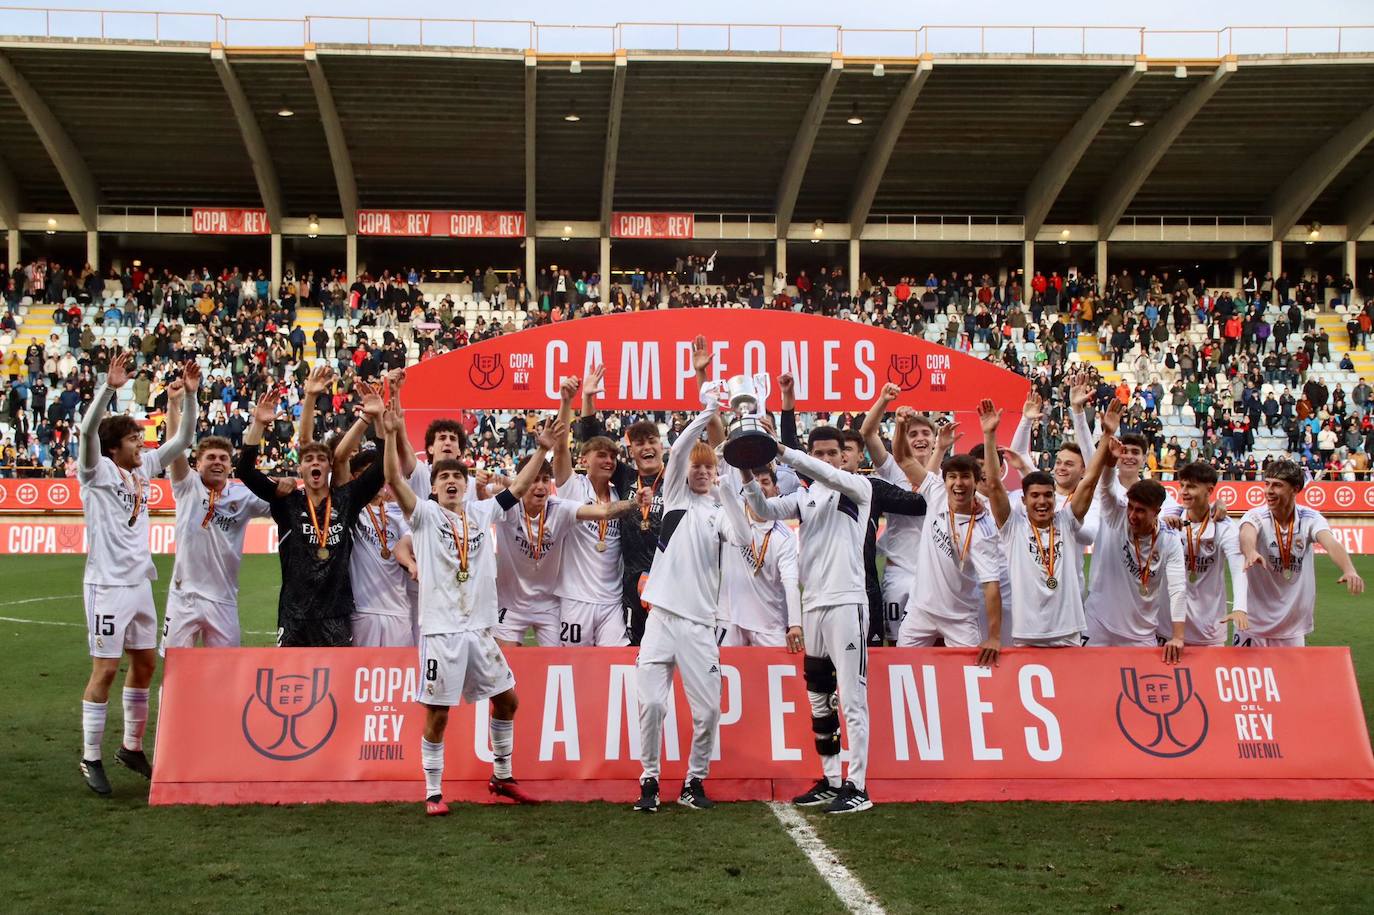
<point x="229" y="221"/>
<point x="442" y="223"/>
<point x="838" y="365"/>
<point x="652" y="225"/>
<point x="290" y="725"/>
<point x="1333" y="498"/>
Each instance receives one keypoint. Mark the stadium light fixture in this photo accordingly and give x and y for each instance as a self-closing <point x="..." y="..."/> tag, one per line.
<point x="575" y="66"/>
<point x="1180" y="72"/>
<point x="854" y="117"/>
<point x="1135" y="122"/>
<point x="314" y="227"/>
<point x="572" y="116"/>
<point x="52" y="226"/>
<point x="1314" y="231"/>
<point x="878" y="70"/>
<point x="567" y="233"/>
<point x="285" y="111"/>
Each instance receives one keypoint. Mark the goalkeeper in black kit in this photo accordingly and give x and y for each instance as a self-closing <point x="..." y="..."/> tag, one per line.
<point x="314" y="532"/>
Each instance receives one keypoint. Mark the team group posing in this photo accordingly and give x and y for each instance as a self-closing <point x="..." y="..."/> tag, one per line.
<point x="677" y="554"/>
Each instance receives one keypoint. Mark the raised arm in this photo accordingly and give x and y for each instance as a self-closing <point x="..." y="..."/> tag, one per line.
<point x="675" y="473"/>
<point x="1080" y="393"/>
<point x="851" y="484"/>
<point x="247" y="468"/>
<point x="180" y="466"/>
<point x="1031" y="413"/>
<point x="350" y="442"/>
<point x="546" y="441"/>
<point x="562" y="452"/>
<point x="872" y="426"/>
<point x="788" y="418"/>
<point x="319" y="380"/>
<point x="702" y="356"/>
<point x="1336" y="550"/>
<point x="593" y="384"/>
<point x="1103" y="458"/>
<point x="178" y="442"/>
<point x="89" y="451"/>
<point x="391" y="458"/>
<point x="990" y="417"/>
<point x="778" y="508"/>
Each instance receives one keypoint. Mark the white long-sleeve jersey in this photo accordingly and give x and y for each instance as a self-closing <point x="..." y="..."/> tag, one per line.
<point x="833" y="513"/>
<point x="684" y="578"/>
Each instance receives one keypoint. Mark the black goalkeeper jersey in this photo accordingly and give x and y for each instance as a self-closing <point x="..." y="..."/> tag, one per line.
<point x="312" y="588"/>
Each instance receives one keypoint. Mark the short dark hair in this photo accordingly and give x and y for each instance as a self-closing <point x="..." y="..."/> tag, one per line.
<point x="1149" y="493"/>
<point x="1199" y="472"/>
<point x="1070" y="447"/>
<point x="545" y="471"/>
<point x="1135" y="440"/>
<point x="1286" y="471"/>
<point x="852" y="437"/>
<point x="824" y="434"/>
<point x="363" y="459"/>
<point x="962" y="463"/>
<point x="1036" y="478"/>
<point x="114" y="429"/>
<point x="639" y="431"/>
<point x="766" y="471"/>
<point x="446" y="425"/>
<point x="447" y="465"/>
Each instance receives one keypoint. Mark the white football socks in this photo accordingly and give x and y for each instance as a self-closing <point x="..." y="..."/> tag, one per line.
<point x="135" y="717"/>
<point x="432" y="758"/>
<point x="92" y="729"/>
<point x="502" y="740"/>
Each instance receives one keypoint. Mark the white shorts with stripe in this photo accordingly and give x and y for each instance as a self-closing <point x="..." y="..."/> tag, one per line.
<point x="120" y="617"/>
<point x="462" y="667"/>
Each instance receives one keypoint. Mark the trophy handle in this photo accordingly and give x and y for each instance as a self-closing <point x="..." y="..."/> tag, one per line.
<point x="763" y="386"/>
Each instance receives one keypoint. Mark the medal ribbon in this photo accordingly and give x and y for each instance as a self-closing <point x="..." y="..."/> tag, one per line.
<point x="321" y="532"/>
<point x="1145" y="563"/>
<point x="210" y="512"/>
<point x="961" y="554"/>
<point x="1194" y="549"/>
<point x="1285" y="546"/>
<point x="462" y="545"/>
<point x="761" y="553"/>
<point x="1046" y="555"/>
<point x="132" y="483"/>
<point x="644" y="510"/>
<point x="536" y="543"/>
<point x="378" y="526"/>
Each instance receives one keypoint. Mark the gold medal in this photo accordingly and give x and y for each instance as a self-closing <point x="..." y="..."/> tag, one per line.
<point x="462" y="576"/>
<point x="321" y="530"/>
<point x="386" y="554"/>
<point x="1287" y="574"/>
<point x="644" y="524"/>
<point x="461" y="546"/>
<point x="1143" y="563"/>
<point x="1144" y="590"/>
<point x="322" y="553"/>
<point x="1051" y="582"/>
<point x="601" y="546"/>
<point x="644" y="510"/>
<point x="1286" y="545"/>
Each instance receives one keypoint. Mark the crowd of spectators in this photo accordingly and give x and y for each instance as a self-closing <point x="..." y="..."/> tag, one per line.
<point x="1235" y="365"/>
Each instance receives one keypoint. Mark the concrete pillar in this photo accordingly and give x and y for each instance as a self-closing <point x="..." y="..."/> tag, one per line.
<point x="1349" y="261"/>
<point x="12" y="240"/>
<point x="853" y="266"/>
<point x="1028" y="265"/>
<point x="1101" y="266"/>
<point x="351" y="257"/>
<point x="93" y="250"/>
<point x="605" y="269"/>
<point x="779" y="262"/>
<point x="1237" y="277"/>
<point x="531" y="265"/>
<point x="275" y="271"/>
<point x="1275" y="262"/>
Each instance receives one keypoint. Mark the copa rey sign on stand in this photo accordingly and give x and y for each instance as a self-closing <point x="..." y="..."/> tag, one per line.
<point x="251" y="725"/>
<point x="229" y="221"/>
<point x="441" y="223"/>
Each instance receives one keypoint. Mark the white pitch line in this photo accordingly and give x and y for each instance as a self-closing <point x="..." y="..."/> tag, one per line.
<point x="15" y="619"/>
<point x="37" y="600"/>
<point x="846" y="886"/>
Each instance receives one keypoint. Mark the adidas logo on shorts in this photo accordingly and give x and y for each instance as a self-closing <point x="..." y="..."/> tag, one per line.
<point x="714" y="670"/>
<point x="850" y="647"/>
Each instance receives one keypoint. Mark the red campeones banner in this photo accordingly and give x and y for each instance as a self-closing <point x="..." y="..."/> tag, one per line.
<point x="47" y="538"/>
<point x="290" y="725"/>
<point x="652" y="225"/>
<point x="212" y="221"/>
<point x="838" y="365"/>
<point x="442" y="223"/>
<point x="1332" y="498"/>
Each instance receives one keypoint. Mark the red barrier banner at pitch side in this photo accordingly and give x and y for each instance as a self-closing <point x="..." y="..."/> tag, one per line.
<point x="442" y="223"/>
<point x="652" y="225"/>
<point x="838" y="365"/>
<point x="222" y="221"/>
<point x="1334" y="498"/>
<point x="290" y="725"/>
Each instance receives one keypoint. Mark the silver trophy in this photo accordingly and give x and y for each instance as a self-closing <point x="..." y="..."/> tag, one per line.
<point x="749" y="444"/>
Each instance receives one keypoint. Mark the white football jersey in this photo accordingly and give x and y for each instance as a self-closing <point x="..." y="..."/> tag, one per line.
<point x="209" y="545"/>
<point x="526" y="582"/>
<point x="1216" y="544"/>
<point x="380" y="585"/>
<point x="757" y="600"/>
<point x="447" y="604"/>
<point x="946" y="586"/>
<point x="901" y="533"/>
<point x="586" y="573"/>
<point x="1043" y="612"/>
<point x="1281" y="608"/>
<point x="115" y="504"/>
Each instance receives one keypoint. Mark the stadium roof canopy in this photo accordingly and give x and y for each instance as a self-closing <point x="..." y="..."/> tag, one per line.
<point x="1078" y="136"/>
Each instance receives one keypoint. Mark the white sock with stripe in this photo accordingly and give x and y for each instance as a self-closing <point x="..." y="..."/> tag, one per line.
<point x="92" y="729"/>
<point x="135" y="717"/>
<point x="432" y="758"/>
<point x="502" y="741"/>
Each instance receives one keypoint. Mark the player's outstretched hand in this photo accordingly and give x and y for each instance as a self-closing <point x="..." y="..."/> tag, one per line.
<point x="1174" y="522"/>
<point x="551" y="434"/>
<point x="1034" y="407"/>
<point x="176" y="389"/>
<point x="371" y="400"/>
<point x="989" y="416"/>
<point x="266" y="409"/>
<point x="1352" y="581"/>
<point x="889" y="393"/>
<point x="1111" y="417"/>
<point x="989" y="653"/>
<point x="795" y="640"/>
<point x="701" y="354"/>
<point x="391" y="421"/>
<point x="1255" y="559"/>
<point x="949" y="434"/>
<point x="1173" y="651"/>
<point x="285" y="486"/>
<point x="1079" y="392"/>
<point x="190" y="376"/>
<point x="595" y="382"/>
<point x="321" y="376"/>
<point x="568" y="388"/>
<point x="120" y="367"/>
<point x="1240" y="618"/>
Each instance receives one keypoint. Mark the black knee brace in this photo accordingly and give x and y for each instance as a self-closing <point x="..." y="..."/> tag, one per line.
<point x="825" y="721"/>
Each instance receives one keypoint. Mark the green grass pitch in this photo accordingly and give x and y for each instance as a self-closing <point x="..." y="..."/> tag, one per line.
<point x="65" y="850"/>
